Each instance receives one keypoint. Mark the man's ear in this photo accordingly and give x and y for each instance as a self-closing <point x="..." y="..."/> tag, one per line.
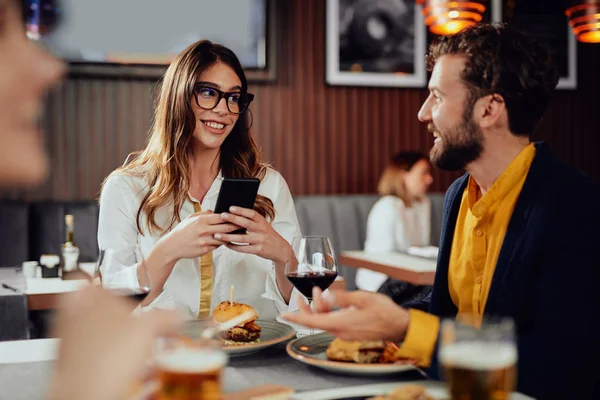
<point x="488" y="110"/>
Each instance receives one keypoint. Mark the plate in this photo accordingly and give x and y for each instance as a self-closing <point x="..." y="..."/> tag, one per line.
<point x="272" y="332"/>
<point x="301" y="330"/>
<point x="434" y="389"/>
<point x="311" y="350"/>
<point x="437" y="390"/>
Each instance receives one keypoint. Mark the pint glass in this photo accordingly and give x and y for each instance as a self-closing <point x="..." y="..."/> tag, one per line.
<point x="189" y="369"/>
<point x="479" y="361"/>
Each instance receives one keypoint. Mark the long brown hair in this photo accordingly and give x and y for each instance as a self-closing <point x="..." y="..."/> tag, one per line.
<point x="165" y="163"/>
<point x="391" y="182"/>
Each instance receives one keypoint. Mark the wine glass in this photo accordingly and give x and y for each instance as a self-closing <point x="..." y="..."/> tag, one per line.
<point x="114" y="272"/>
<point x="314" y="264"/>
<point x="478" y="359"/>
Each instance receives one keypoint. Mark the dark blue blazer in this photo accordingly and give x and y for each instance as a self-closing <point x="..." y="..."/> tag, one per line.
<point x="547" y="278"/>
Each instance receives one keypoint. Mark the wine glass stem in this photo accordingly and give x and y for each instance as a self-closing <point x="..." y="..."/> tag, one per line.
<point x="310" y="305"/>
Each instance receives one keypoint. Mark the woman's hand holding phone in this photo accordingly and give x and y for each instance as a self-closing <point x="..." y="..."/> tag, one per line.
<point x="194" y="236"/>
<point x="261" y="239"/>
<point x="191" y="238"/>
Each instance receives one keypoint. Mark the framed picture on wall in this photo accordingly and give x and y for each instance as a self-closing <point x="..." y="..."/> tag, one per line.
<point x="375" y="43"/>
<point x="550" y="25"/>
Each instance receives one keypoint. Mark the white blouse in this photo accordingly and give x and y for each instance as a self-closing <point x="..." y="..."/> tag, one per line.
<point x="253" y="277"/>
<point x="391" y="226"/>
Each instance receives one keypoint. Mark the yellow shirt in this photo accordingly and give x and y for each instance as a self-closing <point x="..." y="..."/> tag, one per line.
<point x="480" y="228"/>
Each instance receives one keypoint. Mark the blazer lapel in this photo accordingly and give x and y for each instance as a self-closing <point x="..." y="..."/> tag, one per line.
<point x="514" y="247"/>
<point x="441" y="295"/>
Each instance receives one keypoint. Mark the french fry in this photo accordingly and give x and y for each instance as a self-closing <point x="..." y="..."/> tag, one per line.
<point x="391" y="355"/>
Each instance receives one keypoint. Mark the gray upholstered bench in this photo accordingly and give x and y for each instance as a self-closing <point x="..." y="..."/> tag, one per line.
<point x="343" y="218"/>
<point x="28" y="230"/>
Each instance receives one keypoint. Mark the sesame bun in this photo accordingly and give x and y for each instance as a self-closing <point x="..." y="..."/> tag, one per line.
<point x="226" y="311"/>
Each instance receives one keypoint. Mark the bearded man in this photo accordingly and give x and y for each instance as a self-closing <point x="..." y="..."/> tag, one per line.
<point x="520" y="229"/>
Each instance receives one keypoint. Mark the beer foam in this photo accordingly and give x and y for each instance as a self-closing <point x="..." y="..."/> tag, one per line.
<point x="191" y="360"/>
<point x="478" y="355"/>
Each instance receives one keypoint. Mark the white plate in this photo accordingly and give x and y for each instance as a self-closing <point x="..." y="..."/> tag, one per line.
<point x="434" y="389"/>
<point x="301" y="330"/>
<point x="272" y="332"/>
<point x="311" y="350"/>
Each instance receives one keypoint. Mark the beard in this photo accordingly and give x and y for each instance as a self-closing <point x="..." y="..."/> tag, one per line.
<point x="459" y="146"/>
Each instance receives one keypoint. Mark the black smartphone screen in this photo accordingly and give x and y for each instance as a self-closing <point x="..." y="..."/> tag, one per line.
<point x="239" y="192"/>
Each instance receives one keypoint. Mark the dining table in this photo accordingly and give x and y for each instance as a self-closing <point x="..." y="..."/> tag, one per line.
<point x="20" y="295"/>
<point x="26" y="366"/>
<point x="405" y="267"/>
<point x="42" y="293"/>
<point x="14" y="321"/>
<point x="26" y="370"/>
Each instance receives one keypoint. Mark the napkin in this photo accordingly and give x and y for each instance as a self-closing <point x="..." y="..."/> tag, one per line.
<point x="426" y="251"/>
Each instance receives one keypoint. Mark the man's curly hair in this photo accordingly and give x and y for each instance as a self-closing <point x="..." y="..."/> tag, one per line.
<point x="503" y="61"/>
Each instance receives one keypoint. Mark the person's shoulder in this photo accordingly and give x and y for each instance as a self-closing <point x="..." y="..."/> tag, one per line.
<point x="273" y="185"/>
<point x="575" y="178"/>
<point x="272" y="173"/>
<point x="567" y="196"/>
<point x="273" y="178"/>
<point x="565" y="181"/>
<point x="124" y="183"/>
<point x="567" y="200"/>
<point x="575" y="195"/>
<point x="124" y="178"/>
<point x="387" y="206"/>
<point x="389" y="201"/>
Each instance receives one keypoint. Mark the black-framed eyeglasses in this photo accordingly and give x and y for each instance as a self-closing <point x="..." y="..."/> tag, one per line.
<point x="207" y="97"/>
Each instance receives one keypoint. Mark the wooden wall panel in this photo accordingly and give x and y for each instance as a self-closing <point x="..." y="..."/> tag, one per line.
<point x="322" y="139"/>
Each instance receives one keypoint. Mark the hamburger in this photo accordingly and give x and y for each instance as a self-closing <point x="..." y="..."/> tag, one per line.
<point x="366" y="352"/>
<point x="246" y="332"/>
<point x="355" y="351"/>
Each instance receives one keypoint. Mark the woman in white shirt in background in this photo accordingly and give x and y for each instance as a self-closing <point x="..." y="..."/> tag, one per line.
<point x="162" y="200"/>
<point x="398" y="220"/>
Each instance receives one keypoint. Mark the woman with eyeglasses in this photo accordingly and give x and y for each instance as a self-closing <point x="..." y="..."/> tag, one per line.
<point x="163" y="199"/>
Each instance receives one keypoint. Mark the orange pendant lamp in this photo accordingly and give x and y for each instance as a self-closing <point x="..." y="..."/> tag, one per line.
<point x="449" y="17"/>
<point x="585" y="20"/>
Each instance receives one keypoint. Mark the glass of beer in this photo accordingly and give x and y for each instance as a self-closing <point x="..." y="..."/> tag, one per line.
<point x="188" y="369"/>
<point x="478" y="360"/>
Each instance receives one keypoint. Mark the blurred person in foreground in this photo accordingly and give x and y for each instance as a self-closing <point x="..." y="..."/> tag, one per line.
<point x="91" y="347"/>
<point x="399" y="220"/>
<point x="520" y="228"/>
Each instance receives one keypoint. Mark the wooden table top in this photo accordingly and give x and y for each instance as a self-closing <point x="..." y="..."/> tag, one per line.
<point x="401" y="266"/>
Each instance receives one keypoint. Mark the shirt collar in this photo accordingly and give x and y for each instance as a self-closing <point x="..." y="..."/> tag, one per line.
<point x="213" y="190"/>
<point x="512" y="175"/>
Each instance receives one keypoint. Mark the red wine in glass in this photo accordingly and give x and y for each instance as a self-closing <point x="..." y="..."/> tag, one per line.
<point x="305" y="281"/>
<point x="314" y="264"/>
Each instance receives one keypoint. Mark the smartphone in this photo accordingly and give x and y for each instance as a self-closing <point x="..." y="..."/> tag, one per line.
<point x="239" y="192"/>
